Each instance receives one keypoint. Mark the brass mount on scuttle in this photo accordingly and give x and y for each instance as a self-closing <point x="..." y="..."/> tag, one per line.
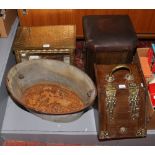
<point x="111" y="90"/>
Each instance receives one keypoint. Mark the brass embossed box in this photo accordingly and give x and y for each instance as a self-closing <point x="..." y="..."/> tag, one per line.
<point x="45" y="42"/>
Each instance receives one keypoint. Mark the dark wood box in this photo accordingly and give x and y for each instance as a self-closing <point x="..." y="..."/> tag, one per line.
<point x="45" y="42"/>
<point x="121" y="102"/>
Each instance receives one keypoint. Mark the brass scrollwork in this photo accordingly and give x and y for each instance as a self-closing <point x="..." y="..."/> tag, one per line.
<point x="111" y="93"/>
<point x="133" y="100"/>
<point x="104" y="134"/>
<point x="141" y="132"/>
<point x="110" y="99"/>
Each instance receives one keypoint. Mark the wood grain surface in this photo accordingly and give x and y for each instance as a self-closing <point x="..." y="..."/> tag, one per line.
<point x="142" y="19"/>
<point x="122" y="124"/>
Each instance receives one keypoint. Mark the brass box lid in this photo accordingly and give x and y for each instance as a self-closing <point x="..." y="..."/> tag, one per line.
<point x="49" y="37"/>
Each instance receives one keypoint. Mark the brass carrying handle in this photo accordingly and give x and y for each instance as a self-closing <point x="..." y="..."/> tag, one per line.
<point x="120" y="67"/>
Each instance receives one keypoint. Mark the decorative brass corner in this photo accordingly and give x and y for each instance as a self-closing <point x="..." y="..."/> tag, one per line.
<point x="104" y="134"/>
<point x="141" y="132"/>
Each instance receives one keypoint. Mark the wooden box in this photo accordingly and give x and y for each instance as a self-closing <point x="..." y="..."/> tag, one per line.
<point x="51" y="42"/>
<point x="142" y="52"/>
<point x="121" y="101"/>
<point x="7" y="18"/>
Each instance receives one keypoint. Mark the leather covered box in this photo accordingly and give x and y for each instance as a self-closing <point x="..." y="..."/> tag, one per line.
<point x="7" y="17"/>
<point x="121" y="101"/>
<point x="50" y="42"/>
<point x="110" y="39"/>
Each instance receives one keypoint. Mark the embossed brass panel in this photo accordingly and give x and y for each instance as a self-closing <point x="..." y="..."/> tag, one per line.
<point x="50" y="42"/>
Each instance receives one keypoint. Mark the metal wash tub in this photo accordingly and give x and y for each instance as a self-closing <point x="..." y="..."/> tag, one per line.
<point x="25" y="74"/>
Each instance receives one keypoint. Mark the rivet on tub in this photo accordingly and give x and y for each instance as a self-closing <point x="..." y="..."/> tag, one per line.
<point x="89" y="93"/>
<point x="21" y="76"/>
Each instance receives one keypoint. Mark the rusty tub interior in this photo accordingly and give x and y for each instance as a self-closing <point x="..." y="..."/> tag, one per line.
<point x="51" y="89"/>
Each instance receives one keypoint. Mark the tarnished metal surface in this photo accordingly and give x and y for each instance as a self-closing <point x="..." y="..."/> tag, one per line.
<point x="28" y="73"/>
<point x="50" y="42"/>
<point x="59" y="36"/>
<point x="65" y="55"/>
